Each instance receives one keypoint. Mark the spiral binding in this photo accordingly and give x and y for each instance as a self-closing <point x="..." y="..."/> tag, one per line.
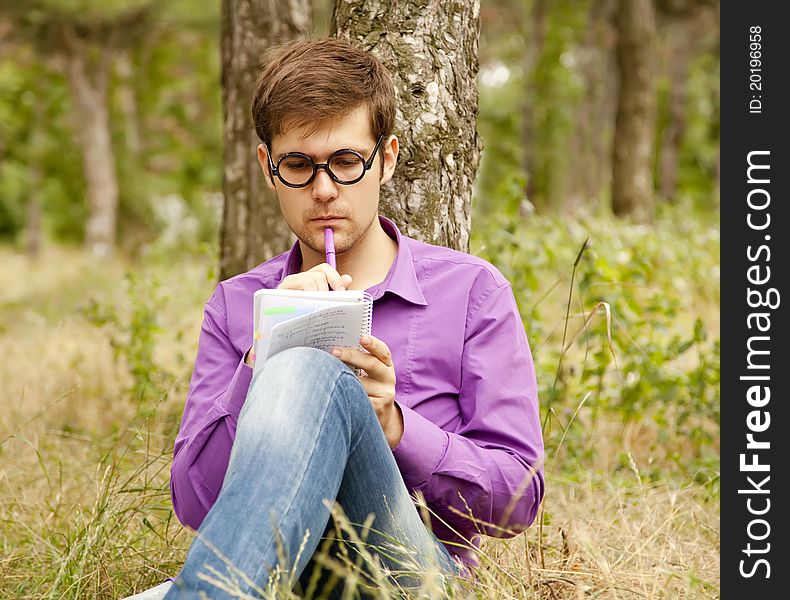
<point x="367" y="317"/>
<point x="367" y="325"/>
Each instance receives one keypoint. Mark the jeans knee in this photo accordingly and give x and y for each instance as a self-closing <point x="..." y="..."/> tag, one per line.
<point x="294" y="381"/>
<point x="298" y="362"/>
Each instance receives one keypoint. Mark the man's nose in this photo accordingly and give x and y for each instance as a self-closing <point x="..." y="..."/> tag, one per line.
<point x="323" y="186"/>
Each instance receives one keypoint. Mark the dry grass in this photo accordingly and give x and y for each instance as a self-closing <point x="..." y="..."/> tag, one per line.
<point x="84" y="501"/>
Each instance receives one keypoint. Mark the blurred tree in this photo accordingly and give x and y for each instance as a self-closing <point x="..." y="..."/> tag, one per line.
<point x="590" y="144"/>
<point x="632" y="173"/>
<point x="252" y="228"/>
<point x="163" y="113"/>
<point x="687" y="28"/>
<point x="39" y="161"/>
<point x="88" y="74"/>
<point x="24" y="150"/>
<point x="553" y="91"/>
<point x="430" y="47"/>
<point x="83" y="35"/>
<point x="501" y="181"/>
<point x="166" y="97"/>
<point x="548" y="98"/>
<point x="535" y="38"/>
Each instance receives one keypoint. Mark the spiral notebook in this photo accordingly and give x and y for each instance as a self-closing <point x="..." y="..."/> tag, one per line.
<point x="286" y="319"/>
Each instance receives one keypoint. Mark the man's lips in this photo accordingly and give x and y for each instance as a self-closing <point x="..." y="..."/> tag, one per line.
<point x="327" y="218"/>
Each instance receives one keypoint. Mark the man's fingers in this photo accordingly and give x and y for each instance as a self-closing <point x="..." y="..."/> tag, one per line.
<point x="320" y="278"/>
<point x="331" y="276"/>
<point x="377" y="348"/>
<point x="302" y="281"/>
<point x="361" y="360"/>
<point x="321" y="283"/>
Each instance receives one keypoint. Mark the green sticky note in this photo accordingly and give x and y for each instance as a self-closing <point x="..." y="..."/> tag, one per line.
<point x="278" y="310"/>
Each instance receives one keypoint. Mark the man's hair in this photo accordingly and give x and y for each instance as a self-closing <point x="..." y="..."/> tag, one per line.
<point x="307" y="83"/>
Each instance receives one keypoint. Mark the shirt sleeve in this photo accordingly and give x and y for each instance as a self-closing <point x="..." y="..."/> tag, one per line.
<point x="491" y="465"/>
<point x="219" y="385"/>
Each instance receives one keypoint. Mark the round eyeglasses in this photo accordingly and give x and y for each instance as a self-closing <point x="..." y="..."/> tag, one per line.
<point x="345" y="167"/>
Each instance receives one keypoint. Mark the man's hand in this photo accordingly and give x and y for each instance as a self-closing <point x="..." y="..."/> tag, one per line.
<point x="379" y="383"/>
<point x="320" y="278"/>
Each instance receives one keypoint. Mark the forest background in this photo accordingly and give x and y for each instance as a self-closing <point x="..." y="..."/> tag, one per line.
<point x="97" y="342"/>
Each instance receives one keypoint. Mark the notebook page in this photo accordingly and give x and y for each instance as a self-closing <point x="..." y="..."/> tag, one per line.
<point x="275" y="306"/>
<point x="334" y="326"/>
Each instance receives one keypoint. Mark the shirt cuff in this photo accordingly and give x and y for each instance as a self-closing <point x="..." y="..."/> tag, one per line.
<point x="238" y="388"/>
<point x="421" y="448"/>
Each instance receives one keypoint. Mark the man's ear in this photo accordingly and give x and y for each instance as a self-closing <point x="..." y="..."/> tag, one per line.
<point x="389" y="153"/>
<point x="263" y="160"/>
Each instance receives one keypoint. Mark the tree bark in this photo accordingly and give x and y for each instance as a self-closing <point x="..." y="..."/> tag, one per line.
<point x="88" y="83"/>
<point x="430" y="47"/>
<point x="632" y="179"/>
<point x="252" y="227"/>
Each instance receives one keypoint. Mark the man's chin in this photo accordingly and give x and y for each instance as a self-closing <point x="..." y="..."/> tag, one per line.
<point x="312" y="236"/>
<point x="347" y="234"/>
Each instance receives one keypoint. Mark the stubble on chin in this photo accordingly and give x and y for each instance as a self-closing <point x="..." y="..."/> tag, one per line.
<point x="345" y="239"/>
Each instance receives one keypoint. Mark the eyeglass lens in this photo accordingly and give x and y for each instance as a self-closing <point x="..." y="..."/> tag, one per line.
<point x="298" y="169"/>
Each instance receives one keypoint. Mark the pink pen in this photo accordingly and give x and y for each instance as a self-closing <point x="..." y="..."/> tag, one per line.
<point x="329" y="245"/>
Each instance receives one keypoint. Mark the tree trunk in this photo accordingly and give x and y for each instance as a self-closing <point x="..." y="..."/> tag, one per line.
<point x="677" y="56"/>
<point x="594" y="113"/>
<point x="252" y="227"/>
<point x="632" y="180"/>
<point x="88" y="84"/>
<point x="430" y="47"/>
<point x="535" y="38"/>
<point x="686" y="29"/>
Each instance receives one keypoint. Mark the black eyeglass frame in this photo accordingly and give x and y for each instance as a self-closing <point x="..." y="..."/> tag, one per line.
<point x="367" y="164"/>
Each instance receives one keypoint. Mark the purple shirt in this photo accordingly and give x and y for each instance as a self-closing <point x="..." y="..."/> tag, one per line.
<point x="465" y="383"/>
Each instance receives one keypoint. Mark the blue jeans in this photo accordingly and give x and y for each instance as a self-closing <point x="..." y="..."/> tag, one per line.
<point x="307" y="436"/>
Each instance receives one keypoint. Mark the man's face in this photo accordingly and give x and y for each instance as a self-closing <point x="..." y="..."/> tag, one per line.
<point x="349" y="210"/>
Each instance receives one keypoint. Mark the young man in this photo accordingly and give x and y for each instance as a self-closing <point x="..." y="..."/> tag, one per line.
<point x="448" y="406"/>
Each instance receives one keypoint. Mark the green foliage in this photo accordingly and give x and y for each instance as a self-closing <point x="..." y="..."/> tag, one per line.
<point x="93" y="8"/>
<point x="655" y="369"/>
<point x="36" y="135"/>
<point x="179" y="125"/>
<point x="501" y="180"/>
<point x="556" y="87"/>
<point x="565" y="90"/>
<point x="559" y="89"/>
<point x="699" y="151"/>
<point x="174" y="86"/>
<point x="134" y="329"/>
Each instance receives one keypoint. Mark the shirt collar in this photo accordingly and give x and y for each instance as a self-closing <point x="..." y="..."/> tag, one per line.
<point x="400" y="280"/>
